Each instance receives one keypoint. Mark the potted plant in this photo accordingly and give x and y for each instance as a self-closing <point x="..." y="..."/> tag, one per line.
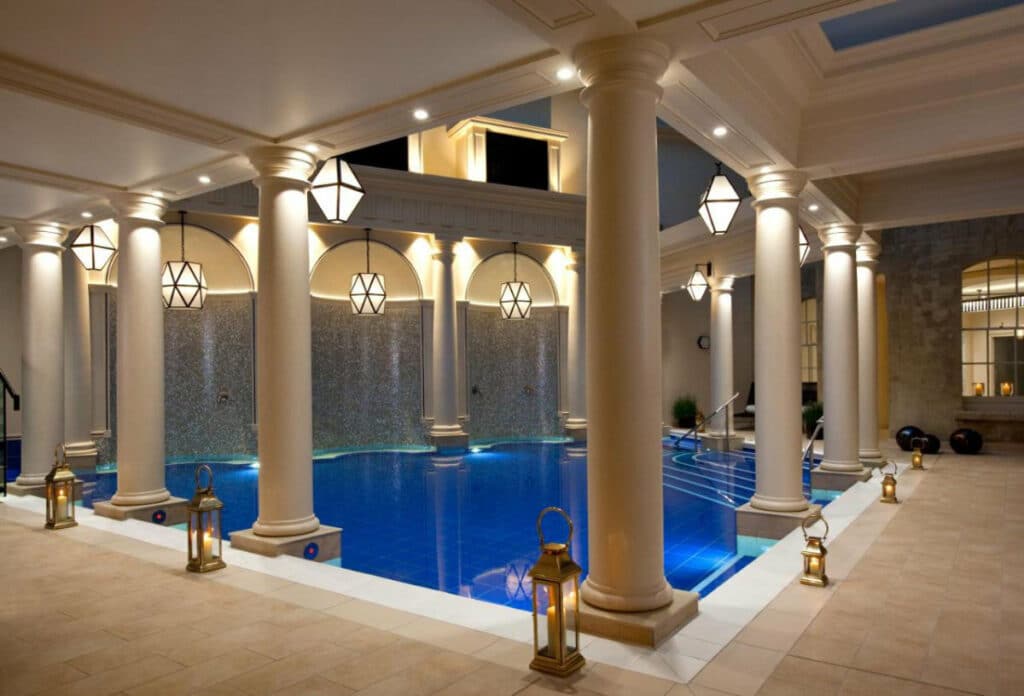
<point x="685" y="411"/>
<point x="812" y="412"/>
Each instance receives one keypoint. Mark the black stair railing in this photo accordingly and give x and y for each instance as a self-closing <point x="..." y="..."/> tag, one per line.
<point x="5" y="391"/>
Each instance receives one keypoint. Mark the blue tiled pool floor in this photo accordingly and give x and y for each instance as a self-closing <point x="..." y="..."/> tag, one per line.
<point x="466" y="525"/>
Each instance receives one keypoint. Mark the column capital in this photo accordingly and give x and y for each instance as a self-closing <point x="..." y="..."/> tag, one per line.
<point x="285" y="164"/>
<point x="868" y="251"/>
<point x="629" y="61"/>
<point x="31" y="234"/>
<point x="444" y="249"/>
<point x="722" y="284"/>
<point x="138" y="206"/>
<point x="576" y="261"/>
<point x="777" y="186"/>
<point x="839" y="237"/>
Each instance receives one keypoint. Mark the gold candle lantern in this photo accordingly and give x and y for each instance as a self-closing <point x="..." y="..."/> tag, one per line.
<point x="204" y="526"/>
<point x="889" y="486"/>
<point x="979" y="389"/>
<point x="917" y="458"/>
<point x="556" y="603"/>
<point x="1006" y="388"/>
<point x="814" y="553"/>
<point x="60" y="493"/>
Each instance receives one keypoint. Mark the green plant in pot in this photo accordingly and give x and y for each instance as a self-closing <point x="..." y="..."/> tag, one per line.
<point x="812" y="412"/>
<point x="685" y="411"/>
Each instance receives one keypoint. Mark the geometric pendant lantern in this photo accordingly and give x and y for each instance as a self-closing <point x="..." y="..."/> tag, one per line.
<point x="719" y="203"/>
<point x="336" y="190"/>
<point x="184" y="285"/>
<point x="514" y="296"/>
<point x="367" y="292"/>
<point x="93" y="247"/>
<point x="803" y="246"/>
<point x="698" y="284"/>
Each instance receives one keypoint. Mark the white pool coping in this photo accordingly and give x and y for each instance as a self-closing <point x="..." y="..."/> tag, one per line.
<point x="723" y="613"/>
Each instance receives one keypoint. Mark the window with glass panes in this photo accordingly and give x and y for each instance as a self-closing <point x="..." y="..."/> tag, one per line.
<point x="809" y="340"/>
<point x="992" y="336"/>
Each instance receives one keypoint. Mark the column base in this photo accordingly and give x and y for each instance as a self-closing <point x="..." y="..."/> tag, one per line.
<point x="871" y="458"/>
<point x="769" y="524"/>
<point x="167" y="512"/>
<point x="720" y="443"/>
<point x="450" y="439"/>
<point x="23" y="489"/>
<point x="830" y="480"/>
<point x="81" y="456"/>
<point x="649" y="628"/>
<point x="576" y="430"/>
<point x="324" y="544"/>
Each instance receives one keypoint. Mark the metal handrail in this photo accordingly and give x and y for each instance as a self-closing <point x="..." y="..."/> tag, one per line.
<point x="814" y="435"/>
<point x="705" y="419"/>
<point x="5" y="388"/>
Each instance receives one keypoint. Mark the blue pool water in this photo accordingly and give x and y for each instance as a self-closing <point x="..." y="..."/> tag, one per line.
<point x="466" y="525"/>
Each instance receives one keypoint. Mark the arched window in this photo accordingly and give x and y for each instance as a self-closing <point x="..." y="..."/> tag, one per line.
<point x="992" y="334"/>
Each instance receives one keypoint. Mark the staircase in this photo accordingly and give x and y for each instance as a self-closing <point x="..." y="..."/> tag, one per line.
<point x="6" y="391"/>
<point x="723" y="478"/>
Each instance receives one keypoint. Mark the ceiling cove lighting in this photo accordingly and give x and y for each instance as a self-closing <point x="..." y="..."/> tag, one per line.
<point x="367" y="292"/>
<point x="93" y="247"/>
<point x="514" y="296"/>
<point x="802" y="244"/>
<point x="698" y="283"/>
<point x="184" y="285"/>
<point x="719" y="203"/>
<point x="336" y="190"/>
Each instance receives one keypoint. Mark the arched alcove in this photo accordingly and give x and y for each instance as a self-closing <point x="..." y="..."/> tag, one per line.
<point x="367" y="370"/>
<point x="331" y="277"/>
<point x="512" y="365"/>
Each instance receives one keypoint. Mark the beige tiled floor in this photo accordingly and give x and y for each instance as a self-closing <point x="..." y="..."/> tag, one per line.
<point x="934" y="606"/>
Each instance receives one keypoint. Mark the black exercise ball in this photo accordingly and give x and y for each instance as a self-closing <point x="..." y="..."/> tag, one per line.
<point x="906" y="434"/>
<point x="965" y="441"/>
<point x="931" y="445"/>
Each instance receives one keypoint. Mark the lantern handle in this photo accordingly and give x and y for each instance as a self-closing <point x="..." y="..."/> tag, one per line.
<point x="916" y="442"/>
<point x="895" y="469"/>
<point x="60" y="455"/>
<point x="209" y="472"/>
<point x="540" y="518"/>
<point x="811" y="519"/>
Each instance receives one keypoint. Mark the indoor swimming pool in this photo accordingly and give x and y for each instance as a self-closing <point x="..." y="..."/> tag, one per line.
<point x="466" y="524"/>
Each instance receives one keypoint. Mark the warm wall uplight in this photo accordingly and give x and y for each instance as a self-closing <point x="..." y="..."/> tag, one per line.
<point x="421" y="114"/>
<point x="203" y="179"/>
<point x="565" y="73"/>
<point x="720" y="131"/>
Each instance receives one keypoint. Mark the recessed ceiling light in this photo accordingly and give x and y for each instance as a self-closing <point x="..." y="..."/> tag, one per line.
<point x="720" y="131"/>
<point x="421" y="114"/>
<point x="86" y="214"/>
<point x="203" y="179"/>
<point x="312" y="148"/>
<point x="814" y="207"/>
<point x="565" y="73"/>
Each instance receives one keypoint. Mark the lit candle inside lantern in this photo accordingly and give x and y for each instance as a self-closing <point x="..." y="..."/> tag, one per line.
<point x="814" y="564"/>
<point x="554" y="635"/>
<point x="192" y="544"/>
<point x="62" y="502"/>
<point x="1006" y="388"/>
<point x="208" y="544"/>
<point x="979" y="389"/>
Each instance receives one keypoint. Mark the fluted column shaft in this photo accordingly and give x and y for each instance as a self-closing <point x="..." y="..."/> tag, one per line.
<point x="867" y="351"/>
<point x="839" y="349"/>
<point x="779" y="471"/>
<point x="721" y="354"/>
<point x="77" y="360"/>
<point x="576" y="288"/>
<point x="623" y="325"/>
<point x="140" y="351"/>
<point x="42" y="350"/>
<point x="446" y="416"/>
<point x="284" y="380"/>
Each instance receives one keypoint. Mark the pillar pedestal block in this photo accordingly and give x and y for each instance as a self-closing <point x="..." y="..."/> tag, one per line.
<point x="828" y="480"/>
<point x="576" y="431"/>
<point x="21" y="489"/>
<point x="449" y="442"/>
<point x="721" y="443"/>
<point x="871" y="460"/>
<point x="81" y="456"/>
<point x="322" y="545"/>
<point x="167" y="512"/>
<point x="649" y="628"/>
<point x="769" y="524"/>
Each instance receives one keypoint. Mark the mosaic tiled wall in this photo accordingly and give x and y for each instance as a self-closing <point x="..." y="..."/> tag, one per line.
<point x="513" y="373"/>
<point x="367" y="376"/>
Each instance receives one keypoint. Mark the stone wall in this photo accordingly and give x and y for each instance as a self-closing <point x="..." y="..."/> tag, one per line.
<point x="922" y="267"/>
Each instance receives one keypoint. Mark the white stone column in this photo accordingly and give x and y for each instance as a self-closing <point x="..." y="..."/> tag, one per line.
<point x="721" y="426"/>
<point x="867" y="351"/>
<point x="623" y="325"/>
<point x="140" y="351"/>
<point x="839" y="350"/>
<point x="576" y="423"/>
<point x="42" y="353"/>
<point x="81" y="449"/>
<point x="284" y="378"/>
<point x="778" y="419"/>
<point x="446" y="433"/>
